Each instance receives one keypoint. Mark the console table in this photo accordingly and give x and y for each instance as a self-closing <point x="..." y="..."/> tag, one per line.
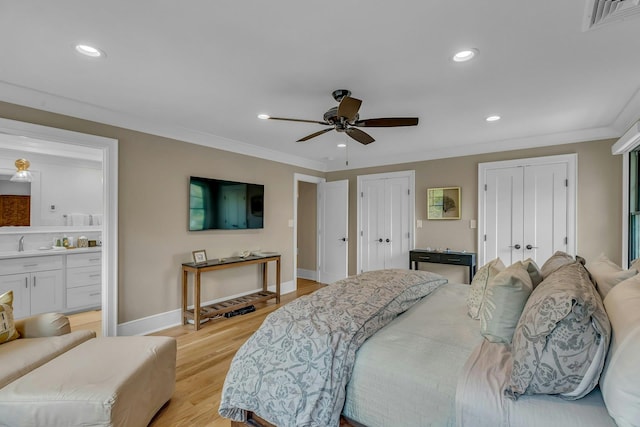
<point x="199" y="312"/>
<point x="454" y="258"/>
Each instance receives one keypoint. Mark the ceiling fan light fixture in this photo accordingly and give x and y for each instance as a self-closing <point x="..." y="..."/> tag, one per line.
<point x="493" y="118"/>
<point x="264" y="116"/>
<point x="465" y="55"/>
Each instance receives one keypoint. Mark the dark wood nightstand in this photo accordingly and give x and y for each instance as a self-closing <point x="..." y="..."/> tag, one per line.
<point x="467" y="259"/>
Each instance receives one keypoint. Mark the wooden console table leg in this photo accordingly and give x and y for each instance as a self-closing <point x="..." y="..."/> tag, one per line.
<point x="265" y="276"/>
<point x="278" y="281"/>
<point x="185" y="285"/>
<point x="196" y="302"/>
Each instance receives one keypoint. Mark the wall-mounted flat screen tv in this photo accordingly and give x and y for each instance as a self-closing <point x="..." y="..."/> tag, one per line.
<point x="216" y="204"/>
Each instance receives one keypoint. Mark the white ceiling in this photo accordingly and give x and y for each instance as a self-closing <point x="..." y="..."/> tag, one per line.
<point x="202" y="70"/>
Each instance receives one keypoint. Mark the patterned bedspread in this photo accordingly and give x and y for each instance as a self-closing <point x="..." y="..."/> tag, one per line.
<point x="294" y="370"/>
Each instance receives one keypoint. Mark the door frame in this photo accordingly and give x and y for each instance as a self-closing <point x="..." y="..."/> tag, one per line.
<point x="411" y="174"/>
<point x="572" y="175"/>
<point x="109" y="147"/>
<point x="297" y="177"/>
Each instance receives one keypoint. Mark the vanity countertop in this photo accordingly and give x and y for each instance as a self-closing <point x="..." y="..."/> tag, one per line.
<point x="47" y="252"/>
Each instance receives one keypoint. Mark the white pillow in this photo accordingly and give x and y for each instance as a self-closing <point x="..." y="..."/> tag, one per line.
<point x="620" y="380"/>
<point x="607" y="274"/>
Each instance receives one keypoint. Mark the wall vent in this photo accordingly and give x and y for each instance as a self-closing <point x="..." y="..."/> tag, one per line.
<point x="599" y="13"/>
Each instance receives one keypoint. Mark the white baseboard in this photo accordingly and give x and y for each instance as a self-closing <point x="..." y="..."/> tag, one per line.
<point x="169" y="319"/>
<point x="308" y="274"/>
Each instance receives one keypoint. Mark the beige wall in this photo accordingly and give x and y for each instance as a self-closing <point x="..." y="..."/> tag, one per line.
<point x="153" y="208"/>
<point x="599" y="200"/>
<point x="153" y="197"/>
<point x="307" y="225"/>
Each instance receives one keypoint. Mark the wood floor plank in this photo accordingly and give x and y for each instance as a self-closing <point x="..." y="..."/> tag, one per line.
<point x="203" y="359"/>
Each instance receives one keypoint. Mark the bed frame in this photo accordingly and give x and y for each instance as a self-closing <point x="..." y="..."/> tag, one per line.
<point x="255" y="421"/>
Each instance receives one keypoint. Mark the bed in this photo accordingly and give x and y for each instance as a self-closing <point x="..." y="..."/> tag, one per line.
<point x="430" y="365"/>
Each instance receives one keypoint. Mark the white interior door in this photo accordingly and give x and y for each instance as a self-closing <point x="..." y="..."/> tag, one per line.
<point x="527" y="208"/>
<point x="503" y="220"/>
<point x="333" y="236"/>
<point x="397" y="235"/>
<point x="545" y="211"/>
<point x="385" y="220"/>
<point x="373" y="230"/>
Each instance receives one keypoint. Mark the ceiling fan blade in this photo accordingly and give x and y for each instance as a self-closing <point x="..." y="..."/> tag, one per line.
<point x="313" y="135"/>
<point x="299" y="120"/>
<point x="348" y="108"/>
<point x="387" y="122"/>
<point x="360" y="136"/>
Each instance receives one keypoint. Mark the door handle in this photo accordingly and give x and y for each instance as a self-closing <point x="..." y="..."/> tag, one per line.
<point x="380" y="240"/>
<point x="529" y="247"/>
<point x="344" y="239"/>
<point x="388" y="240"/>
<point x="516" y="246"/>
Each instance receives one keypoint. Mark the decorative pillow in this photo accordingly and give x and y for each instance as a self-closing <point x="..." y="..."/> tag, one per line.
<point x="620" y="381"/>
<point x="504" y="299"/>
<point x="7" y="327"/>
<point x="560" y="338"/>
<point x="608" y="274"/>
<point x="556" y="261"/>
<point x="534" y="271"/>
<point x="479" y="284"/>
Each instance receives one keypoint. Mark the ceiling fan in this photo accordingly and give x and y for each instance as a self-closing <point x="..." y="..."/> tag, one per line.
<point x="345" y="118"/>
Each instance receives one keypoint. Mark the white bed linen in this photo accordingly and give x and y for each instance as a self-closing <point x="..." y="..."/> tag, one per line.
<point x="406" y="374"/>
<point x="480" y="401"/>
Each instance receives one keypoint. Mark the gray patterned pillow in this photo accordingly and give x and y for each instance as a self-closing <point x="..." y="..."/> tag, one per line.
<point x="504" y="300"/>
<point x="562" y="332"/>
<point x="479" y="284"/>
<point x="556" y="261"/>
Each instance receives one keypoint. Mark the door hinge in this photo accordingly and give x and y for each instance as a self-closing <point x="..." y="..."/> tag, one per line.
<point x="566" y="240"/>
<point x="361" y="233"/>
<point x="408" y="235"/>
<point x="566" y="182"/>
<point x="485" y="237"/>
<point x="409" y="192"/>
<point x="362" y="194"/>
<point x="485" y="187"/>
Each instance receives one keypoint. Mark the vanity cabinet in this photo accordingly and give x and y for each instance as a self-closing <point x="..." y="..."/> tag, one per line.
<point x="37" y="284"/>
<point x="84" y="281"/>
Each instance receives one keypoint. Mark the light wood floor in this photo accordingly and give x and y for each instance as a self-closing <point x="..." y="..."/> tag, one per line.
<point x="203" y="359"/>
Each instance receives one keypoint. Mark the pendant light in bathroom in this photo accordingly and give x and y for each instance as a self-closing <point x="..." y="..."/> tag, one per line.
<point x="22" y="174"/>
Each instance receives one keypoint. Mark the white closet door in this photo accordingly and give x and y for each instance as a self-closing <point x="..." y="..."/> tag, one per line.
<point x="385" y="220"/>
<point x="545" y="211"/>
<point x="397" y="234"/>
<point x="373" y="225"/>
<point x="527" y="208"/>
<point x="503" y="218"/>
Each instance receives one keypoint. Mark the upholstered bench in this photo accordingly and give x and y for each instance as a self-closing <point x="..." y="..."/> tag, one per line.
<point x="115" y="381"/>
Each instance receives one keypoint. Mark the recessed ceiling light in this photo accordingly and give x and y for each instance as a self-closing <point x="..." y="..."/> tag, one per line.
<point x="493" y="118"/>
<point x="465" y="55"/>
<point x="342" y="145"/>
<point x="87" y="50"/>
<point x="264" y="116"/>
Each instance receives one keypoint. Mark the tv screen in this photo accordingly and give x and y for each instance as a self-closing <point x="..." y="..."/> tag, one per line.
<point x="216" y="204"/>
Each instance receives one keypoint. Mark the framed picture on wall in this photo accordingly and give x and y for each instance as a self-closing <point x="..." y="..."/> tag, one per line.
<point x="443" y="203"/>
<point x="199" y="256"/>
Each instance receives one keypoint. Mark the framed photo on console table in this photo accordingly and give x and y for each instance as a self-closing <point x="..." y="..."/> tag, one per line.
<point x="199" y="256"/>
<point x="443" y="203"/>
